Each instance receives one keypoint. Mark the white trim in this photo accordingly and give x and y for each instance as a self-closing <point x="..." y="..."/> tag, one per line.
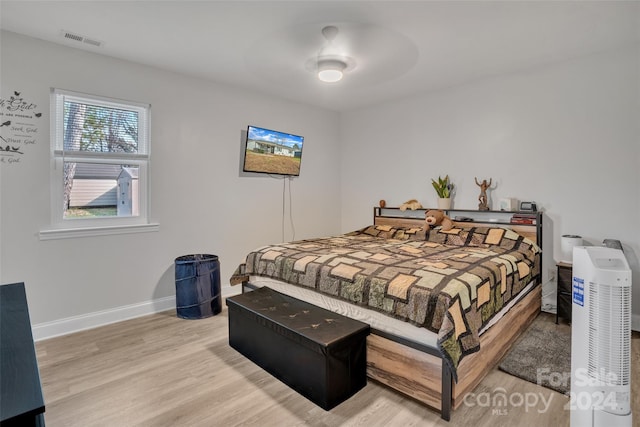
<point x="93" y="157"/>
<point x="142" y="158"/>
<point x="104" y="101"/>
<point x="70" y="233"/>
<point x="59" y="96"/>
<point x="82" y="322"/>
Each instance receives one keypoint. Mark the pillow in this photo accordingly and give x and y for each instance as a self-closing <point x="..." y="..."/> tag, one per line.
<point x="482" y="237"/>
<point x="457" y="236"/>
<point x="390" y="232"/>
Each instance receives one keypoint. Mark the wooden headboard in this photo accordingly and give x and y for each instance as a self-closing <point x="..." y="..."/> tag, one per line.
<point x="409" y="218"/>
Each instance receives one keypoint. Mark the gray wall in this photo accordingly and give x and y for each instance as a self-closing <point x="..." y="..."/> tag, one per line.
<point x="198" y="196"/>
<point x="565" y="135"/>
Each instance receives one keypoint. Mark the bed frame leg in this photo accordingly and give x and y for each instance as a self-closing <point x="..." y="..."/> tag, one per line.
<point x="246" y="287"/>
<point x="445" y="410"/>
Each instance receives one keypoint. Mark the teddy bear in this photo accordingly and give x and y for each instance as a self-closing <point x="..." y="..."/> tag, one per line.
<point x="436" y="217"/>
<point x="412" y="204"/>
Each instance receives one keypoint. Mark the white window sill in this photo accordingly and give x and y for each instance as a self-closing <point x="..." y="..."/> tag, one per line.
<point x="70" y="233"/>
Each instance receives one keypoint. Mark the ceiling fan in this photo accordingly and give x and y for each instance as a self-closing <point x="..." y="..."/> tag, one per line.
<point x="332" y="62"/>
<point x="329" y="51"/>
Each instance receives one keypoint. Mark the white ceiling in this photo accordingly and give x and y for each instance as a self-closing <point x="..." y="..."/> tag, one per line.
<point x="400" y="48"/>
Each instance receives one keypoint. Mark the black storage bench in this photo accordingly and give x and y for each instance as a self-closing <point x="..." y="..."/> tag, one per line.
<point x="320" y="354"/>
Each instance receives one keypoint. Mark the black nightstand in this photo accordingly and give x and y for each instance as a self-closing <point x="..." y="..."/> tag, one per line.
<point x="563" y="301"/>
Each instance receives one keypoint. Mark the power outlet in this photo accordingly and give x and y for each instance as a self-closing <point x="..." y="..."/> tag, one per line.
<point x="552" y="274"/>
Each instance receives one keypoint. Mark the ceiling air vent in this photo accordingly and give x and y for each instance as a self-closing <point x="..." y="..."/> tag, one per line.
<point x="92" y="42"/>
<point x="82" y="39"/>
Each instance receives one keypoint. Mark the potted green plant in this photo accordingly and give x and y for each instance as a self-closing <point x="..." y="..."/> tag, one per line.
<point x="443" y="187"/>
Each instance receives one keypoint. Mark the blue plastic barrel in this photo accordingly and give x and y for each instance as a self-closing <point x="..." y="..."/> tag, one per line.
<point x="198" y="286"/>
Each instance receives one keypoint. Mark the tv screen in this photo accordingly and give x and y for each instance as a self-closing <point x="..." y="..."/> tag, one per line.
<point x="270" y="151"/>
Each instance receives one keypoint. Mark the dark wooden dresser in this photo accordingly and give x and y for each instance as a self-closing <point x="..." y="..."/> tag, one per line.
<point x="21" y="401"/>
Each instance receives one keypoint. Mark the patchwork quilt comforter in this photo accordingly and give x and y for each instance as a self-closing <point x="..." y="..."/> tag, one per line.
<point x="451" y="283"/>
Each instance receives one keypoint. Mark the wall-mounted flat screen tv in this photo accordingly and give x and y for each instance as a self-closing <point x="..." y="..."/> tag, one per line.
<point x="273" y="152"/>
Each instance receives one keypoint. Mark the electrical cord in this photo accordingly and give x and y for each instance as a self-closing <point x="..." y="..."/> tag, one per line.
<point x="284" y="191"/>
<point x="293" y="227"/>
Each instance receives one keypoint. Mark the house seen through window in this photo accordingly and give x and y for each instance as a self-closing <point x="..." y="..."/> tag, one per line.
<point x="101" y="152"/>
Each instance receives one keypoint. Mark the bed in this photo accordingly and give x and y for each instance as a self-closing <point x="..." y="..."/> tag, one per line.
<point x="444" y="306"/>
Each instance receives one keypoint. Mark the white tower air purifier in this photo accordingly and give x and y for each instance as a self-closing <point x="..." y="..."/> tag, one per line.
<point x="600" y="338"/>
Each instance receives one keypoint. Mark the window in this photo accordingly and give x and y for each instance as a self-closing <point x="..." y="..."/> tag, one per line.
<point x="100" y="163"/>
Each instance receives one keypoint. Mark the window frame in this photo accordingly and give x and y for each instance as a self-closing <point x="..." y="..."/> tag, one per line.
<point x="61" y="227"/>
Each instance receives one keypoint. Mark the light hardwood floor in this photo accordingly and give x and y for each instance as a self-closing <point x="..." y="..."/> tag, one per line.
<point x="160" y="370"/>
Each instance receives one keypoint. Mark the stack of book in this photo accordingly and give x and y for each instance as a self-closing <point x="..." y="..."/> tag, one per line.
<point x="523" y="218"/>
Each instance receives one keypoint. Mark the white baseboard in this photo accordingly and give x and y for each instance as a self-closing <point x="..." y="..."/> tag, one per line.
<point x="69" y="325"/>
<point x="82" y="322"/>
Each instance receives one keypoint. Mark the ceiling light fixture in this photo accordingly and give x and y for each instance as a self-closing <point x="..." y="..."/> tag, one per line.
<point x="331" y="70"/>
<point x="331" y="62"/>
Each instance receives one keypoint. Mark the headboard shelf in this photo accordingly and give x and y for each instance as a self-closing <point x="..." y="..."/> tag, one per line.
<point x="395" y="211"/>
